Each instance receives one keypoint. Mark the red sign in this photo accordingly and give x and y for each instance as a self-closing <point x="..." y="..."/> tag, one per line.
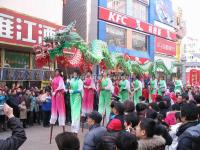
<point x="121" y="19"/>
<point x="20" y="29"/>
<point x="165" y="46"/>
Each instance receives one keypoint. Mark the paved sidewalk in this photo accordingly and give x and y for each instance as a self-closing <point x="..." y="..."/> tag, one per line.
<point x="38" y="138"/>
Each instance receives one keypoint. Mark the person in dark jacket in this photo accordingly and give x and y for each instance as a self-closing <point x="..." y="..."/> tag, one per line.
<point x="18" y="134"/>
<point x="189" y="117"/>
<point x="110" y="138"/>
<point x="96" y="131"/>
<point x="190" y="139"/>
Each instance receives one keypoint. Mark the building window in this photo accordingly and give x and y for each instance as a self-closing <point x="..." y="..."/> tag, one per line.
<point x="115" y="36"/>
<point x="117" y="5"/>
<point x="17" y="59"/>
<point x="139" y="41"/>
<point x="138" y="10"/>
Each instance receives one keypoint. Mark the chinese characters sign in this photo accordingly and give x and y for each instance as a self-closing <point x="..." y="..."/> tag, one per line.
<point x="165" y="46"/>
<point x="120" y="19"/>
<point x="20" y="29"/>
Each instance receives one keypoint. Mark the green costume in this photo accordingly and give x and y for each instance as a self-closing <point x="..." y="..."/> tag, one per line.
<point x="161" y="86"/>
<point x="178" y="86"/>
<point x="105" y="97"/>
<point x="137" y="91"/>
<point x="153" y="89"/>
<point x="75" y="103"/>
<point x="124" y="92"/>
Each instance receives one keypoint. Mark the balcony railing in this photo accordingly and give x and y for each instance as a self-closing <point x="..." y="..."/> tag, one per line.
<point x="16" y="74"/>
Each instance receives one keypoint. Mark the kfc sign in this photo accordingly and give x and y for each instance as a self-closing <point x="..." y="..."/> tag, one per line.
<point x="120" y="19"/>
<point x="165" y="46"/>
<point x="19" y="29"/>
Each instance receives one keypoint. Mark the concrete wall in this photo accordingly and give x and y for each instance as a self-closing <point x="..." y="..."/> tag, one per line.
<point x="50" y="10"/>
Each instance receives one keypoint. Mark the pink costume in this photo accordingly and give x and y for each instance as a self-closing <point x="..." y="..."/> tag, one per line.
<point x="88" y="97"/>
<point x="58" y="103"/>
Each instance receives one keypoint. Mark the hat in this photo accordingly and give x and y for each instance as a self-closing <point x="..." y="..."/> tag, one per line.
<point x="96" y="116"/>
<point x="115" y="125"/>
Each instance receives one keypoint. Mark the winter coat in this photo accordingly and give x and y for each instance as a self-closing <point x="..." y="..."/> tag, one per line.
<point x="18" y="136"/>
<point x="185" y="126"/>
<point x="23" y="110"/>
<point x="161" y="130"/>
<point x="172" y="132"/>
<point x="46" y="105"/>
<point x="190" y="139"/>
<point x="93" y="137"/>
<point x="109" y="140"/>
<point x="154" y="143"/>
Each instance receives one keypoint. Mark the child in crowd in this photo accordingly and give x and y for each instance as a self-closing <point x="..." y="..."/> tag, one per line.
<point x="23" y="113"/>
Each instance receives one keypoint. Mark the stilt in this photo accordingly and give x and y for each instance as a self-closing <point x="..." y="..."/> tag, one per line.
<point x="63" y="129"/>
<point x="82" y="122"/>
<point x="103" y="119"/>
<point x="51" y="131"/>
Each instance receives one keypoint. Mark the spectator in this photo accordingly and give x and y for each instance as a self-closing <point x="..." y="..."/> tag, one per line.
<point x="18" y="134"/>
<point x="141" y="110"/>
<point x="190" y="139"/>
<point x="118" y="112"/>
<point x="109" y="139"/>
<point x="2" y="116"/>
<point x="92" y="139"/>
<point x="173" y="131"/>
<point x="46" y="107"/>
<point x="23" y="113"/>
<point x="34" y="109"/>
<point x="147" y="138"/>
<point x="189" y="116"/>
<point x="127" y="141"/>
<point x="131" y="121"/>
<point x="67" y="141"/>
<point x="179" y="102"/>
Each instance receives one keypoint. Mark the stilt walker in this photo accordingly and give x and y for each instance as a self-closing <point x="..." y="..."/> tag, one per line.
<point x="106" y="89"/>
<point x="137" y="90"/>
<point x="153" y="90"/>
<point x="58" y="103"/>
<point x="88" y="96"/>
<point x="178" y="86"/>
<point x="76" y="88"/>
<point x="162" y="86"/>
<point x="124" y="85"/>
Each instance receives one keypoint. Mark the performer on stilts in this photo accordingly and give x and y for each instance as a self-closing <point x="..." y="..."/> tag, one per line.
<point x="88" y="96"/>
<point x="162" y="86"/>
<point x="137" y="89"/>
<point x="124" y="85"/>
<point x="76" y="89"/>
<point x="106" y="89"/>
<point x="58" y="103"/>
<point x="178" y="86"/>
<point x="153" y="89"/>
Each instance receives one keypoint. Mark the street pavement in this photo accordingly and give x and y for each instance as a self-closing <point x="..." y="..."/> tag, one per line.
<point x="38" y="138"/>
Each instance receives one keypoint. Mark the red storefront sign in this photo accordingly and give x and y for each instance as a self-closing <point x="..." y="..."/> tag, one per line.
<point x="165" y="46"/>
<point x="120" y="19"/>
<point x="20" y="29"/>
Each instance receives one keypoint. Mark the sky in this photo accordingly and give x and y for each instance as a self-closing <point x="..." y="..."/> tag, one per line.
<point x="191" y="13"/>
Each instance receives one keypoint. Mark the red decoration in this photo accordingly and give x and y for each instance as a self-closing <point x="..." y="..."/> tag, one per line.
<point x="102" y="65"/>
<point x="126" y="57"/>
<point x="41" y="55"/>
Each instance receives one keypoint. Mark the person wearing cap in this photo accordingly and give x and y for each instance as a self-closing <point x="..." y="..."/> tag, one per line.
<point x="76" y="88"/>
<point x="106" y="87"/>
<point x="96" y="131"/>
<point x="58" y="103"/>
<point x="162" y="86"/>
<point x="124" y="88"/>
